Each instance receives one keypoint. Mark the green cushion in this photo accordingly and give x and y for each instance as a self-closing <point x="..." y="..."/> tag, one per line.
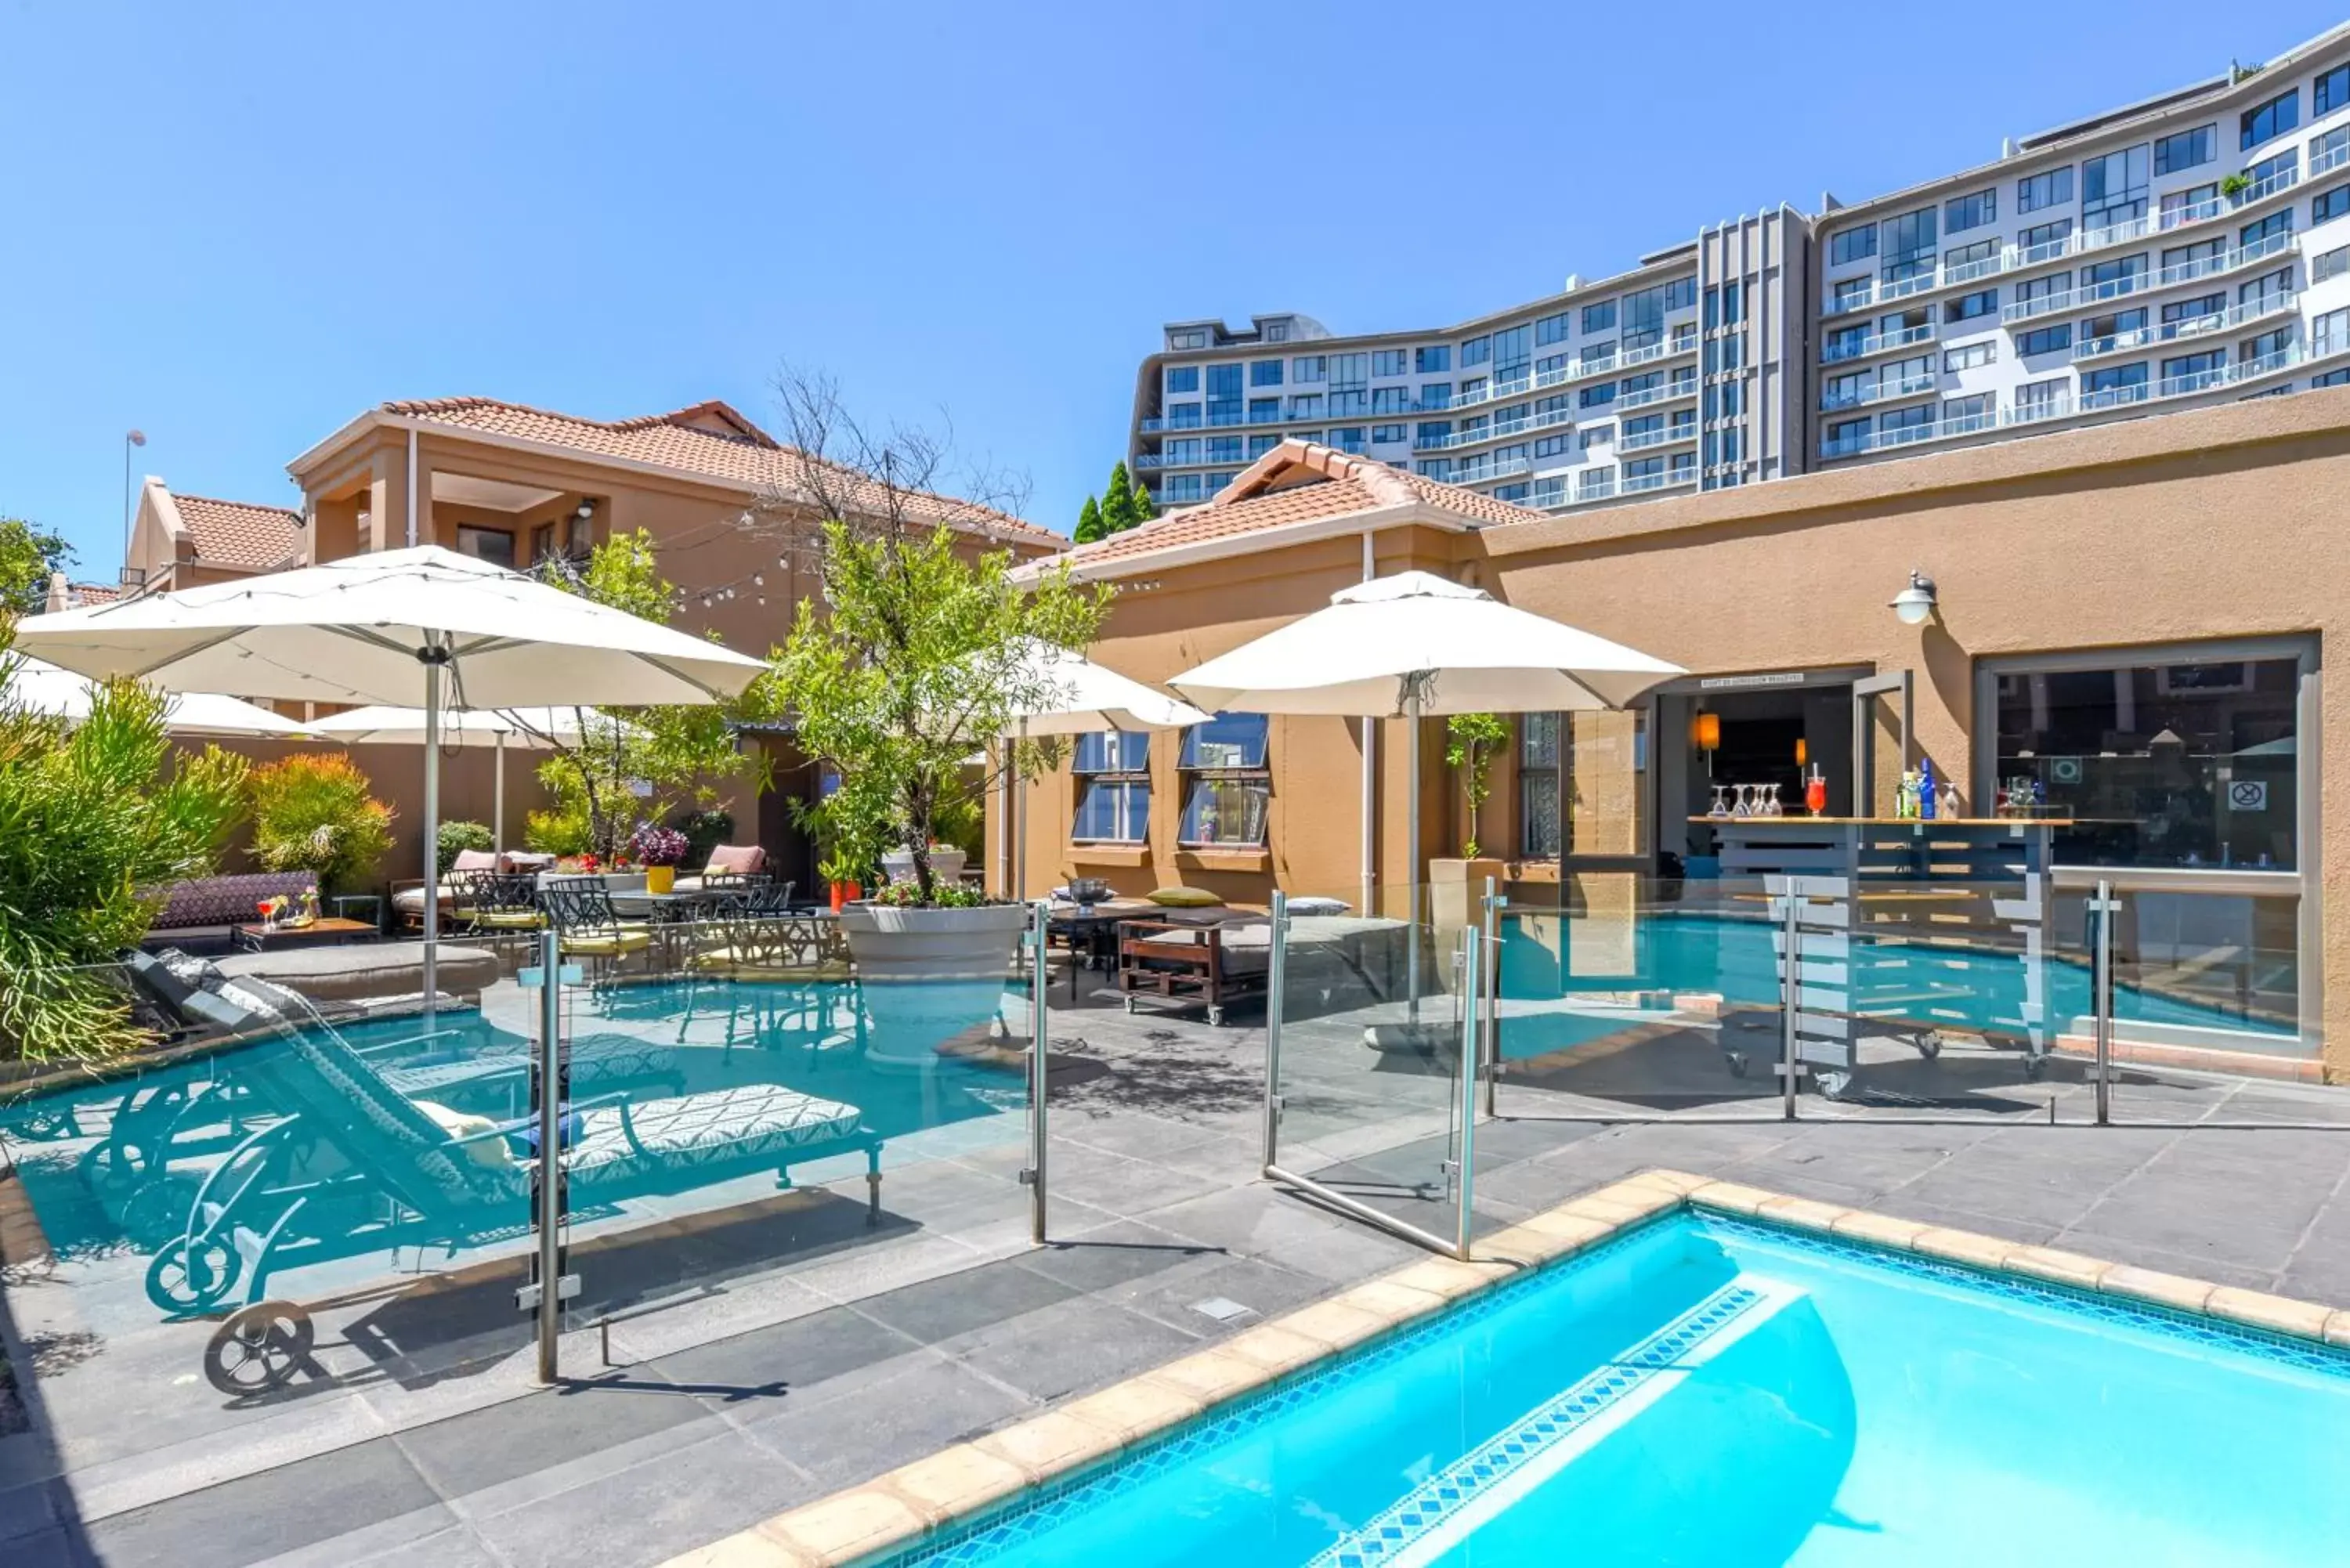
<point x="1185" y="898"/>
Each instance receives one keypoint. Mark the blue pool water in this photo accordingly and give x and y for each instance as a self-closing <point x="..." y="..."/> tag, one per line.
<point x="1733" y="958"/>
<point x="1712" y="1392"/>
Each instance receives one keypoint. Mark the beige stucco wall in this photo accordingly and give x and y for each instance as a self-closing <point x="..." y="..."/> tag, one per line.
<point x="2221" y="523"/>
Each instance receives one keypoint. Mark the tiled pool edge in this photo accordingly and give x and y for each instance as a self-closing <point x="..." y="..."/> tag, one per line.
<point x="917" y="1504"/>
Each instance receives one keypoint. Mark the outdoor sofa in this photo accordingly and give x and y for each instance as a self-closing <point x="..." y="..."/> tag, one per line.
<point x="202" y="911"/>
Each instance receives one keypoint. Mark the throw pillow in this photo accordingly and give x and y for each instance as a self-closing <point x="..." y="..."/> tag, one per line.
<point x="488" y="1151"/>
<point x="1311" y="906"/>
<point x="1185" y="898"/>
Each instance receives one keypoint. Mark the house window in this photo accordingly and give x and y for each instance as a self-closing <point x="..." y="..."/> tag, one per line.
<point x="1539" y="837"/>
<point x="1962" y="213"/>
<point x="2271" y="120"/>
<point x="1112" y="768"/>
<point x="2330" y="92"/>
<point x="1227" y="785"/>
<point x="495" y="546"/>
<point x="2187" y="150"/>
<point x="2053" y="189"/>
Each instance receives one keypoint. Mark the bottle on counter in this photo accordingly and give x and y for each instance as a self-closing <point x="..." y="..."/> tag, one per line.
<point x="1926" y="788"/>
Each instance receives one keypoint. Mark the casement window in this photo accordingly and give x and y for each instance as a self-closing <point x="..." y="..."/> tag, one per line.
<point x="1112" y="768"/>
<point x="1226" y="784"/>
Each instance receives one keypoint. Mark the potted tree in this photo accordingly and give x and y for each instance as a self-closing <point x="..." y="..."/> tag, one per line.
<point x="921" y="655"/>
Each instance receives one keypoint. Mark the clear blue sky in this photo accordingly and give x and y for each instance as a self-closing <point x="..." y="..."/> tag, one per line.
<point x="235" y="226"/>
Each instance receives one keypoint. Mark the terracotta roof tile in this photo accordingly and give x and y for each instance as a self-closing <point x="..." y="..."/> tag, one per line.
<point x="1296" y="482"/>
<point x="239" y="532"/>
<point x="710" y="440"/>
<point x="94" y="593"/>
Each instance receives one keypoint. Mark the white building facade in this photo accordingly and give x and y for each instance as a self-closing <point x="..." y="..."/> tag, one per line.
<point x="2173" y="254"/>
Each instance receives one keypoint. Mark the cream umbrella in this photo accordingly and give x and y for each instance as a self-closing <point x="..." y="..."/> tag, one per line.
<point x="62" y="694"/>
<point x="1416" y="644"/>
<point x="389" y="626"/>
<point x="1075" y="696"/>
<point x="527" y="729"/>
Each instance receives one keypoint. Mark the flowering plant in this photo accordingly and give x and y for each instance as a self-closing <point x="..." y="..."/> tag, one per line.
<point x="590" y="862"/>
<point x="657" y="845"/>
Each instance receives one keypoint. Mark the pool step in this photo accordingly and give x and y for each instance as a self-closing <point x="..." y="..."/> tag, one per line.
<point x="1437" y="1515"/>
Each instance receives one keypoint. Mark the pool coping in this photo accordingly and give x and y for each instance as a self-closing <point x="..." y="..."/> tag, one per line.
<point x="876" y="1520"/>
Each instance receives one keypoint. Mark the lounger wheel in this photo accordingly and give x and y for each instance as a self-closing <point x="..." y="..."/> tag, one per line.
<point x="157" y="1210"/>
<point x="1833" y="1085"/>
<point x="1131" y="1007"/>
<point x="193" y="1275"/>
<point x="1215" y="1018"/>
<point x="1929" y="1043"/>
<point x="1736" y="1061"/>
<point x="259" y="1348"/>
<point x="2035" y="1066"/>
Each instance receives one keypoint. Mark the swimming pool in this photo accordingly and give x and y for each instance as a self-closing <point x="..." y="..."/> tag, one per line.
<point x="1710" y="1391"/>
<point x="1671" y="951"/>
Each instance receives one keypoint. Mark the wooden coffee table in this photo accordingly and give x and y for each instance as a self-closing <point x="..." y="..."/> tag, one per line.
<point x="326" y="932"/>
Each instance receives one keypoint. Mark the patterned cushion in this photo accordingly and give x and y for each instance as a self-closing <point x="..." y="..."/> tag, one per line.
<point x="757" y="1121"/>
<point x="227" y="900"/>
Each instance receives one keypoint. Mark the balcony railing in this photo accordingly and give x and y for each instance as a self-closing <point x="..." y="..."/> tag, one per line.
<point x="2193" y="327"/>
<point x="1879" y="391"/>
<point x="2014" y="258"/>
<point x="1480" y="471"/>
<point x="1666" y="394"/>
<point x="1635" y="484"/>
<point x="1264" y="416"/>
<point x="2332" y="156"/>
<point x="2144" y="282"/>
<point x="1640" y="440"/>
<point x="1833" y="353"/>
<point x="1601" y="489"/>
<point x="1907" y="435"/>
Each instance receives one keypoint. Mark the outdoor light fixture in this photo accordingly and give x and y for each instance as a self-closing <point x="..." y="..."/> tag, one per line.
<point x="1803" y="751"/>
<point x="1705" y="732"/>
<point x="1915" y="604"/>
<point x="587" y="509"/>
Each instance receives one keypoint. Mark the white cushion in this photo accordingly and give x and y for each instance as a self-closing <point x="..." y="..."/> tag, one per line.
<point x="488" y="1151"/>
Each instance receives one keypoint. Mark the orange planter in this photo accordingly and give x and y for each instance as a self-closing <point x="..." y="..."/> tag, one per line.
<point x="845" y="892"/>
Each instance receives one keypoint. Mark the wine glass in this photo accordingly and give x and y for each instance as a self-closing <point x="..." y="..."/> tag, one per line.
<point x="1721" y="801"/>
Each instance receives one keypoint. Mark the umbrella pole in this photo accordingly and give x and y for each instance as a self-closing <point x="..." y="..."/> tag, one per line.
<point x="1411" y="835"/>
<point x="431" y="657"/>
<point x="1019" y="821"/>
<point x="498" y="801"/>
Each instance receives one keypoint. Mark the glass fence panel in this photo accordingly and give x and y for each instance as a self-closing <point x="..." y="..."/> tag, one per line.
<point x="1623" y="996"/>
<point x="2205" y="1003"/>
<point x="761" y="1092"/>
<point x="1368" y="1063"/>
<point x="274" y="1186"/>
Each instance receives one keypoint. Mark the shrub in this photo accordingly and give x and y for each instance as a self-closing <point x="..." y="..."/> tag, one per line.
<point x="312" y="812"/>
<point x="704" y="831"/>
<point x="90" y="820"/>
<point x="561" y="829"/>
<point x="455" y="837"/>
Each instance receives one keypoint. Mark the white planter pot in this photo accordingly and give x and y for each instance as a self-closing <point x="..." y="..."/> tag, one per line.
<point x="929" y="974"/>
<point x="946" y="866"/>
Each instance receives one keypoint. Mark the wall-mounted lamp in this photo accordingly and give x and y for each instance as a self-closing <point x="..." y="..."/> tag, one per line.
<point x="1915" y="604"/>
<point x="1705" y="732"/>
<point x="1803" y="751"/>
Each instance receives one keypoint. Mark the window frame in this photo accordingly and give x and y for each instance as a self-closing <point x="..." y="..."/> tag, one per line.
<point x="1121" y="772"/>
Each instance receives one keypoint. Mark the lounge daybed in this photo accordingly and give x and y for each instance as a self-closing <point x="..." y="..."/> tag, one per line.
<point x="727" y="861"/>
<point x="355" y="1167"/>
<point x="1214" y="957"/>
<point x="204" y="910"/>
<point x="373" y="971"/>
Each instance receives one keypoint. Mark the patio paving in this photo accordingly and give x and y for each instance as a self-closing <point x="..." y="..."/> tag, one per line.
<point x="781" y="1384"/>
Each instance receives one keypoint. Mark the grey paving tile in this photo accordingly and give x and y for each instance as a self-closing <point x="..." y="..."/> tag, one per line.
<point x="539" y="1431"/>
<point x="924" y="1407"/>
<point x="1996" y="1198"/>
<point x="942" y="1308"/>
<point x="684" y="1497"/>
<point x="1114" y="1255"/>
<point x="2183" y="1230"/>
<point x="260" y="1516"/>
<point x="1173" y="1296"/>
<point x="805" y="1353"/>
<point x="1072" y="1346"/>
<point x="1262" y="1222"/>
<point x="49" y="1547"/>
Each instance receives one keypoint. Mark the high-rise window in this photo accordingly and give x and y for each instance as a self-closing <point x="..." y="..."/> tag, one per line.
<point x="1225" y="449"/>
<point x="2049" y="287"/>
<point x="1265" y="410"/>
<point x="2191" y="205"/>
<point x="1970" y="212"/>
<point x="2329" y="264"/>
<point x="1968" y="356"/>
<point x="1966" y="306"/>
<point x="2044" y="340"/>
<point x="1390" y="362"/>
<point x="1182" y="416"/>
<point x="1311" y="368"/>
<point x="2053" y="189"/>
<point x="1644" y="317"/>
<point x="2328" y="205"/>
<point x="2271" y="120"/>
<point x="1182" y="378"/>
<point x="1551" y="330"/>
<point x="1513" y="349"/>
<point x="1967" y="254"/>
<point x="1960" y="415"/>
<point x="2268" y="169"/>
<point x="2330" y="333"/>
<point x="1390" y="400"/>
<point x="2054" y="233"/>
<point x="1909" y="241"/>
<point x="1599" y="317"/>
<point x="2332" y="91"/>
<point x="1852" y="291"/>
<point x="2113" y="188"/>
<point x="1349" y="370"/>
<point x="2277" y="222"/>
<point x="1476" y="351"/>
<point x="1223" y="394"/>
<point x="1681" y="295"/>
<point x="1264" y="373"/>
<point x="2113" y="383"/>
<point x="2194" y="309"/>
<point x="2040" y="399"/>
<point x="2192" y="372"/>
<point x="1306" y="406"/>
<point x="1435" y="395"/>
<point x="2187" y="149"/>
<point x="1432" y="360"/>
<point x="1261" y="444"/>
<point x="1846" y="245"/>
<point x="1389" y="435"/>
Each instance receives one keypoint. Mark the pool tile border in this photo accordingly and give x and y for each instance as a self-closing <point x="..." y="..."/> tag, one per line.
<point x="948" y="1493"/>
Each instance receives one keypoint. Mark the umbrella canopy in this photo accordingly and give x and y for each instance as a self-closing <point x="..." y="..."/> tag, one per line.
<point x="1464" y="650"/>
<point x="379" y="724"/>
<point x="391" y="626"/>
<point x="1082" y="697"/>
<point x="1418" y="644"/>
<point x="46" y="688"/>
<point x="357" y="630"/>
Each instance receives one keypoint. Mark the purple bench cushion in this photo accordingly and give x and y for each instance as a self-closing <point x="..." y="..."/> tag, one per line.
<point x="227" y="900"/>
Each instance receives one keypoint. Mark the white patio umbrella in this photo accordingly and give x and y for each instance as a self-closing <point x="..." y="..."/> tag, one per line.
<point x="46" y="688"/>
<point x="527" y="729"/>
<point x="1078" y="698"/>
<point x="1416" y="644"/>
<point x="388" y="628"/>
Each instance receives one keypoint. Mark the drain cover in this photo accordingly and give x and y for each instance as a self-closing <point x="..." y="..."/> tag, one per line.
<point x="1224" y="1309"/>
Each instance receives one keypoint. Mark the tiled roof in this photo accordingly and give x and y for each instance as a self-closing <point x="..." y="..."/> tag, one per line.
<point x="239" y="532"/>
<point x="1295" y="483"/>
<point x="93" y="593"/>
<point x="709" y="440"/>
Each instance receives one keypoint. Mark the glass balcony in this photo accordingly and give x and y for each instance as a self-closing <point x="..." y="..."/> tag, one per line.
<point x="2144" y="282"/>
<point x="2261" y="190"/>
<point x="1833" y="353"/>
<point x="1669" y="392"/>
<point x="2329" y="153"/>
<point x="1880" y="391"/>
<point x="2236" y="315"/>
<point x="1641" y="440"/>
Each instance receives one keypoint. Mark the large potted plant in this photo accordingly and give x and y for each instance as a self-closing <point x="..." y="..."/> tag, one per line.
<point x="919" y="656"/>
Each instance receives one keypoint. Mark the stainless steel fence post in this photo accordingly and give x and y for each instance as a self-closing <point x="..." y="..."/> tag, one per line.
<point x="1038" y="1049"/>
<point x="1791" y="997"/>
<point x="549" y="1218"/>
<point x="1471" y="1032"/>
<point x="2101" y="999"/>
<point x="1489" y="1043"/>
<point x="1277" y="986"/>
